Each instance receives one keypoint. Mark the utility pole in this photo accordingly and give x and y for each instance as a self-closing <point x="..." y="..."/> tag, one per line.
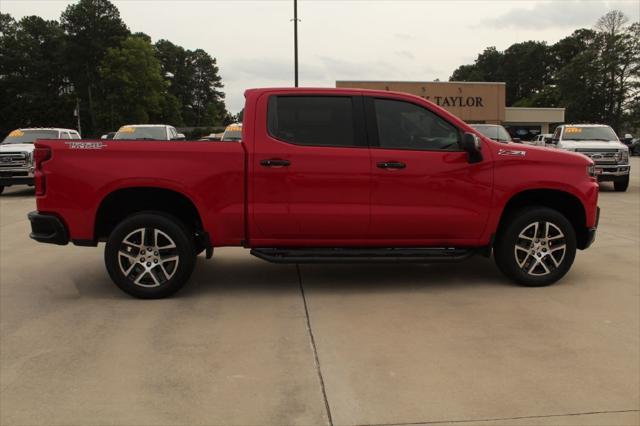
<point x="295" y="39"/>
<point x="77" y="114"/>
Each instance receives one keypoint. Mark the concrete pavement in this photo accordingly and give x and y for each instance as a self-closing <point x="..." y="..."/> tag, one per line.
<point x="372" y="344"/>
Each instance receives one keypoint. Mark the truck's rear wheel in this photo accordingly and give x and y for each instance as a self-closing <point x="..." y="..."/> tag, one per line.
<point x="622" y="184"/>
<point x="150" y="255"/>
<point x="536" y="247"/>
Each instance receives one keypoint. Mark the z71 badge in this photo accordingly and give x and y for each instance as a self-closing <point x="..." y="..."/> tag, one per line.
<point x="86" y="145"/>
<point x="512" y="152"/>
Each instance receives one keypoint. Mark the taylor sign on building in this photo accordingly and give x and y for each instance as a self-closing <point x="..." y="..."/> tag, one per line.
<point x="483" y="102"/>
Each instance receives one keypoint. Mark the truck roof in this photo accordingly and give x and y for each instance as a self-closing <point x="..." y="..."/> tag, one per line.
<point x="48" y="128"/>
<point x="146" y="125"/>
<point x="346" y="90"/>
<point x="584" y="125"/>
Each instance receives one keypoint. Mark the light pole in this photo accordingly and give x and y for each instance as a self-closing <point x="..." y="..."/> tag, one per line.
<point x="295" y="40"/>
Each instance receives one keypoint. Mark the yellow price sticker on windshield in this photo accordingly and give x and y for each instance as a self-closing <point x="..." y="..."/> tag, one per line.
<point x="16" y="134"/>
<point x="127" y="130"/>
<point x="573" y="130"/>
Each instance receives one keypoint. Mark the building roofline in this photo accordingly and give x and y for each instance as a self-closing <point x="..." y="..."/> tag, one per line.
<point x="537" y="108"/>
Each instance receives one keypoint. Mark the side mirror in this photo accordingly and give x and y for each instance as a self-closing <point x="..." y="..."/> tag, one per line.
<point x="471" y="145"/>
<point x="516" y="140"/>
<point x="180" y="137"/>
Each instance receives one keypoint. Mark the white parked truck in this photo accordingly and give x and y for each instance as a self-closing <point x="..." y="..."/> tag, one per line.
<point x="16" y="153"/>
<point x="600" y="143"/>
<point x="149" y="132"/>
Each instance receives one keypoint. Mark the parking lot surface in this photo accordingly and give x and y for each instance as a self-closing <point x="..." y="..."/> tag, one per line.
<point x="250" y="343"/>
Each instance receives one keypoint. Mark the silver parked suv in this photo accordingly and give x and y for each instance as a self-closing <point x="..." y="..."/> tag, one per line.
<point x="600" y="143"/>
<point x="16" y="153"/>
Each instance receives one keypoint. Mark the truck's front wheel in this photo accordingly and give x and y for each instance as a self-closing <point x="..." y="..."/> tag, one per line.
<point x="621" y="184"/>
<point x="536" y="246"/>
<point x="150" y="255"/>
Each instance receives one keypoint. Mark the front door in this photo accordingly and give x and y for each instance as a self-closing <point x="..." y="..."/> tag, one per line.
<point x="311" y="175"/>
<point x="424" y="191"/>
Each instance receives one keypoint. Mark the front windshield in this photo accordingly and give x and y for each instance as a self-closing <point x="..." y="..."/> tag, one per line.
<point x="497" y="133"/>
<point x="141" y="133"/>
<point x="29" y="136"/>
<point x="589" y="134"/>
<point x="232" y="135"/>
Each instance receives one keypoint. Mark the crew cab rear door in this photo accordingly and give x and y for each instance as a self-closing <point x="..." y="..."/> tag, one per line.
<point x="310" y="168"/>
<point x="424" y="191"/>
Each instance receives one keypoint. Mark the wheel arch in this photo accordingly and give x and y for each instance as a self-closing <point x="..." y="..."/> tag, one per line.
<point x="564" y="202"/>
<point x="123" y="202"/>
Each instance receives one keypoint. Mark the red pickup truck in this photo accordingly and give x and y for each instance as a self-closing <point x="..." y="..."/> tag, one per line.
<point x="321" y="175"/>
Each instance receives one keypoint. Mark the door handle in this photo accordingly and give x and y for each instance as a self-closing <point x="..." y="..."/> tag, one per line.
<point x="391" y="165"/>
<point x="275" y="162"/>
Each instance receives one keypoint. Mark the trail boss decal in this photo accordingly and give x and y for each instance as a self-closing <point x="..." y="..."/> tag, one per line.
<point x="86" y="145"/>
<point x="512" y="152"/>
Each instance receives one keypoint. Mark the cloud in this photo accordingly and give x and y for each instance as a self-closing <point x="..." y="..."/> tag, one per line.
<point x="404" y="53"/>
<point x="267" y="69"/>
<point x="559" y="14"/>
<point x="405" y="36"/>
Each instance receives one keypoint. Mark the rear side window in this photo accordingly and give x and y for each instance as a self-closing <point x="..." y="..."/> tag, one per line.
<point x="312" y="120"/>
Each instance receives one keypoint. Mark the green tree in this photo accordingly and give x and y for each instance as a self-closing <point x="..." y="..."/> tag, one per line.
<point x="526" y="70"/>
<point x="195" y="83"/>
<point x="92" y="27"/>
<point x="34" y="90"/>
<point x="134" y="89"/>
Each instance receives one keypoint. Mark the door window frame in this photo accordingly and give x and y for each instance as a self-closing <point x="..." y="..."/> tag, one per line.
<point x="357" y="104"/>
<point x="373" y="136"/>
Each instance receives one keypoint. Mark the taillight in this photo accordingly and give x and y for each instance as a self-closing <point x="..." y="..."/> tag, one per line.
<point x="40" y="155"/>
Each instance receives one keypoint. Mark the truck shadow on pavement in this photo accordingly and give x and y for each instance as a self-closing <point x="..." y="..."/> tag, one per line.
<point x="234" y="275"/>
<point x="21" y="192"/>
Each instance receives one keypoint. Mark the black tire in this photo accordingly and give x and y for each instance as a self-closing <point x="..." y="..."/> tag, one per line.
<point x="621" y="185"/>
<point x="150" y="274"/>
<point x="1" y="188"/>
<point x="544" y="261"/>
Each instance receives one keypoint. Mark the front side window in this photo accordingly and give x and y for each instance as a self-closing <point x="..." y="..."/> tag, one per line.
<point x="403" y="125"/>
<point x="493" y="131"/>
<point x="312" y="120"/>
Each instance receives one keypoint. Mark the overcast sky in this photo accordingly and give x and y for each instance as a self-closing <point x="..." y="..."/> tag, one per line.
<point x="417" y="40"/>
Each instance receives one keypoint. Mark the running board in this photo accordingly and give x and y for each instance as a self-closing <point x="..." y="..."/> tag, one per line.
<point x="363" y="255"/>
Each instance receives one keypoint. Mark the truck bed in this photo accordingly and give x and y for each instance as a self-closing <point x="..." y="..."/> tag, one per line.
<point x="210" y="174"/>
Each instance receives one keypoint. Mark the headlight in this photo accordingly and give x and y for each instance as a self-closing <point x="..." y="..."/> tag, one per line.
<point x="591" y="170"/>
<point x="623" y="154"/>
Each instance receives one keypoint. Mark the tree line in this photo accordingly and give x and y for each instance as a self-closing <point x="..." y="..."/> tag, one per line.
<point x="593" y="73"/>
<point x="89" y="62"/>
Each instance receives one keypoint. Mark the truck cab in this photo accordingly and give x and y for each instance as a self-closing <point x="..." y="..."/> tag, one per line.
<point x="16" y="153"/>
<point x="601" y="144"/>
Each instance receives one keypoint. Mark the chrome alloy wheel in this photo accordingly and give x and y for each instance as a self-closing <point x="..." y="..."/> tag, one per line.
<point x="148" y="257"/>
<point x="540" y="248"/>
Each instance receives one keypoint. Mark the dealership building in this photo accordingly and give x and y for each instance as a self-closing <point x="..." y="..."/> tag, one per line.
<point x="474" y="102"/>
